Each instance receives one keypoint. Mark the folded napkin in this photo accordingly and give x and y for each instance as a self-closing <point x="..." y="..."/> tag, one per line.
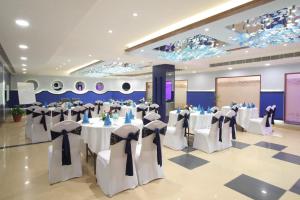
<point x="127" y="119"/>
<point x="107" y="121"/>
<point x="202" y="112"/>
<point x="199" y="107"/>
<point x="244" y="104"/>
<point x="131" y="114"/>
<point x="208" y="109"/>
<point x="178" y="110"/>
<point x="85" y="119"/>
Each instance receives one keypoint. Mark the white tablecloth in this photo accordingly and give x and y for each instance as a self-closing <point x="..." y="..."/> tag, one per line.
<point x="197" y="120"/>
<point x="97" y="136"/>
<point x="243" y="116"/>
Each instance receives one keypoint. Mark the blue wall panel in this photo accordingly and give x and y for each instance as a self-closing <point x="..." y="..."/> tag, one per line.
<point x="88" y="97"/>
<point x="271" y="98"/>
<point x="204" y="99"/>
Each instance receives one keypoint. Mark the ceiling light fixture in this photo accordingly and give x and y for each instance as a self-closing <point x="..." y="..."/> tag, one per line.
<point x="90" y="55"/>
<point x="22" y="23"/>
<point x="246" y="51"/>
<point x="267" y="64"/>
<point x="206" y="29"/>
<point x="229" y="68"/>
<point x="24" y="72"/>
<point x="24" y="65"/>
<point x="23" y="58"/>
<point x="24" y="69"/>
<point x="23" y="46"/>
<point x="142" y="50"/>
<point x="110" y="31"/>
<point x="134" y="14"/>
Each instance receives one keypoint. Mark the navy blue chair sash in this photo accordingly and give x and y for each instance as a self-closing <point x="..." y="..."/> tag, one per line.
<point x="29" y="112"/>
<point x="143" y="110"/>
<point x="220" y="122"/>
<point x="268" y="113"/>
<point x="185" y="124"/>
<point x="98" y="107"/>
<point x="153" y="108"/>
<point x="78" y="114"/>
<point x="90" y="109"/>
<point x="43" y="118"/>
<point x="65" y="150"/>
<point x="146" y="132"/>
<point x="146" y="121"/>
<point x="232" y="124"/>
<point x="115" y="108"/>
<point x="273" y="115"/>
<point x="61" y="113"/>
<point x="114" y="139"/>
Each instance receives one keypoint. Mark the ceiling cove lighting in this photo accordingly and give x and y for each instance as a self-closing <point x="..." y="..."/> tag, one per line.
<point x="198" y="17"/>
<point x="22" y="23"/>
<point x="23" y="58"/>
<point x="192" y="48"/>
<point x="279" y="27"/>
<point x="106" y="68"/>
<point x="23" y="46"/>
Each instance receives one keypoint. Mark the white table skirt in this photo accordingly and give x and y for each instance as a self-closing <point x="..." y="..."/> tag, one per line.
<point x="197" y="120"/>
<point x="97" y="136"/>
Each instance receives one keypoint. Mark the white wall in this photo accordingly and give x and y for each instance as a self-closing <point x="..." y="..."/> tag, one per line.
<point x="272" y="77"/>
<point x="45" y="83"/>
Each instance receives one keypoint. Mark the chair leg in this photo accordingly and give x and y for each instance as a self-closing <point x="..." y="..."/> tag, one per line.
<point x="87" y="152"/>
<point x="95" y="160"/>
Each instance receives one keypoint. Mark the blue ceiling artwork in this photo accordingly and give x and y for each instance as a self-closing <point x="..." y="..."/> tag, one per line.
<point x="192" y="48"/>
<point x="281" y="26"/>
<point x="104" y="68"/>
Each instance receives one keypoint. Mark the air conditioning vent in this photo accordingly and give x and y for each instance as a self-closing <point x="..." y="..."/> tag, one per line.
<point x="258" y="59"/>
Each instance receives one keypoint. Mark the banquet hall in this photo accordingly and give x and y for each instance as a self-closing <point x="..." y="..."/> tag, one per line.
<point x="140" y="100"/>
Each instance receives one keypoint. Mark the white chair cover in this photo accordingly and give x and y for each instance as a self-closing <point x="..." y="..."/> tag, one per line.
<point x="37" y="104"/>
<point x="74" y="113"/>
<point x="260" y="125"/>
<point x="40" y="132"/>
<point x="141" y="111"/>
<point x="29" y="121"/>
<point x="111" y="164"/>
<point x="214" y="109"/>
<point x="90" y="109"/>
<point x="57" y="171"/>
<point x="56" y="115"/>
<point x="148" y="163"/>
<point x="151" y="117"/>
<point x="78" y="103"/>
<point x="53" y="104"/>
<point x="227" y="131"/>
<point x="175" y="136"/>
<point x="207" y="140"/>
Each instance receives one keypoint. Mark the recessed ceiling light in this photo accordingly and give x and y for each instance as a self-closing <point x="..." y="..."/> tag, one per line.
<point x="23" y="46"/>
<point x="24" y="65"/>
<point x="90" y="55"/>
<point x="142" y="50"/>
<point x="26" y="167"/>
<point x="22" y="23"/>
<point x="24" y="69"/>
<point x="206" y="29"/>
<point x="267" y="64"/>
<point x="246" y="51"/>
<point x="23" y="58"/>
<point x="134" y="14"/>
<point x="229" y="68"/>
<point x="109" y="31"/>
<point x="24" y="72"/>
<point x="27" y="182"/>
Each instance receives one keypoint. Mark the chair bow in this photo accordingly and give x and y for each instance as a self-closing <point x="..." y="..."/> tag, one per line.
<point x="78" y="118"/>
<point x="153" y="108"/>
<point x="98" y="104"/>
<point x="131" y="136"/>
<point x="236" y="109"/>
<point x="273" y="115"/>
<point x="268" y="113"/>
<point x="232" y="123"/>
<point x="185" y="124"/>
<point x="90" y="109"/>
<point x="29" y="112"/>
<point x="43" y="118"/>
<point x="61" y="113"/>
<point x="65" y="150"/>
<point x="143" y="110"/>
<point x="156" y="140"/>
<point x="115" y="108"/>
<point x="146" y="121"/>
<point x="220" y="122"/>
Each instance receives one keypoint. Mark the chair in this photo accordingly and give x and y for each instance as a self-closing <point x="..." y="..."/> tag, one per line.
<point x="98" y="108"/>
<point x="59" y="114"/>
<point x="151" y="117"/>
<point x="77" y="113"/>
<point x="40" y="125"/>
<point x="53" y="104"/>
<point x="64" y="158"/>
<point x="115" y="168"/>
<point x="208" y="140"/>
<point x="214" y="109"/>
<point x="141" y="111"/>
<point x="149" y="158"/>
<point x="229" y="130"/>
<point x="273" y="112"/>
<point x="90" y="108"/>
<point x="29" y="121"/>
<point x="153" y="107"/>
<point x="175" y="136"/>
<point x="77" y="103"/>
<point x="263" y="125"/>
<point x="115" y="108"/>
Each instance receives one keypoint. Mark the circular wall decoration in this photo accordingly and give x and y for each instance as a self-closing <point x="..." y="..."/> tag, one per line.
<point x="80" y="86"/>
<point x="99" y="86"/>
<point x="126" y="86"/>
<point x="34" y="82"/>
<point x="57" y="85"/>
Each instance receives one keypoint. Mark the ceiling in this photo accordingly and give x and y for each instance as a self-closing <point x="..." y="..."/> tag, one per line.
<point x="65" y="35"/>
